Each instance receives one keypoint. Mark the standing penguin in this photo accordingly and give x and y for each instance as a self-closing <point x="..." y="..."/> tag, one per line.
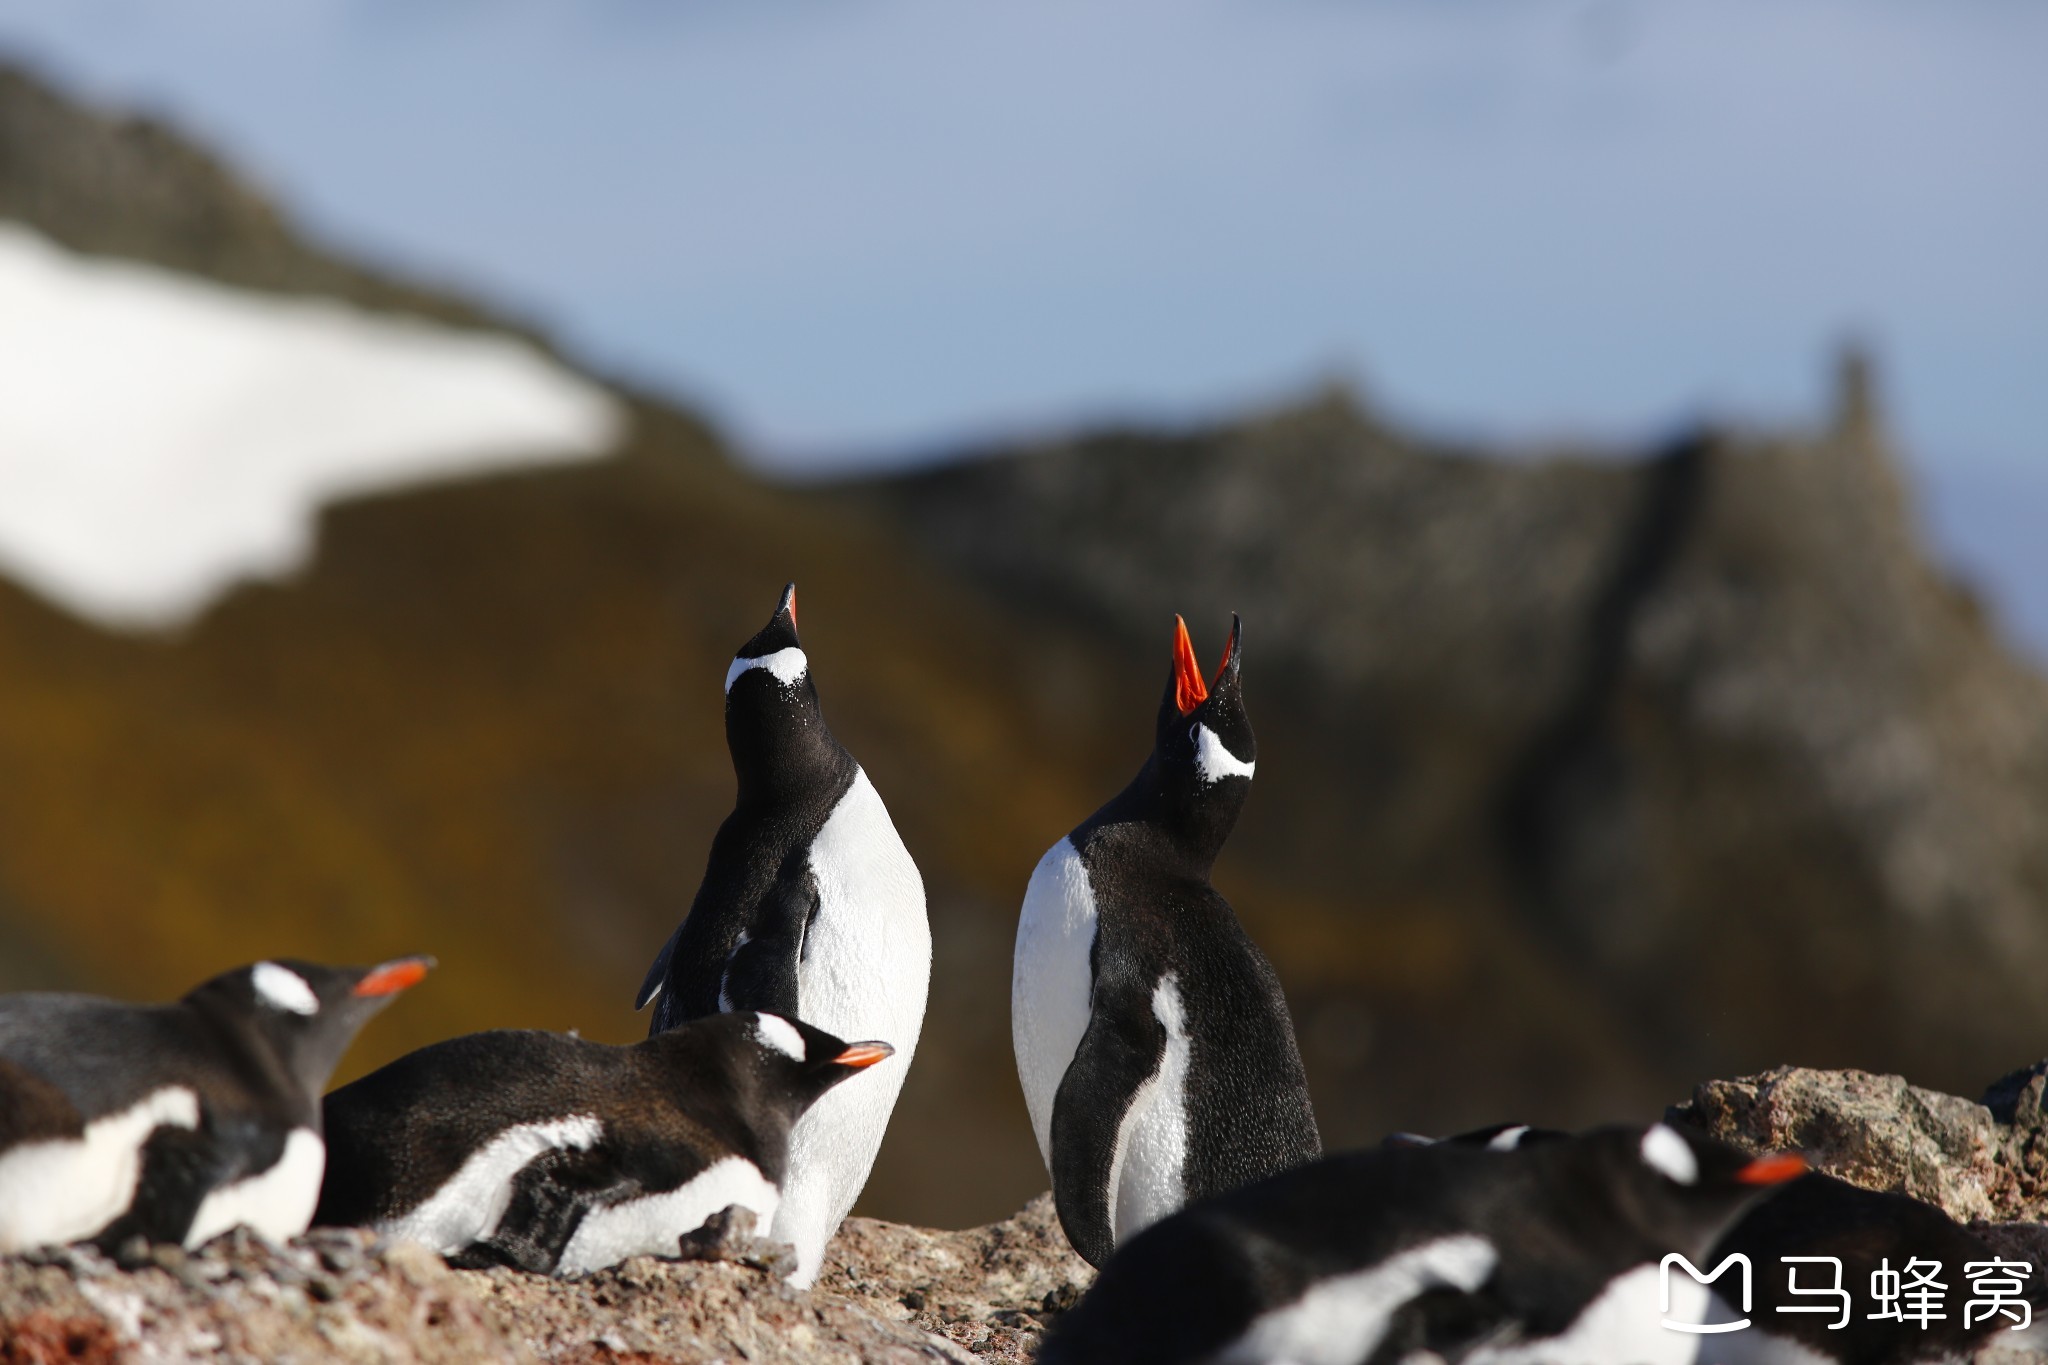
<point x="1153" y="1042"/>
<point x="176" y="1122"/>
<point x="1549" y="1253"/>
<point x="810" y="908"/>
<point x="552" y="1153"/>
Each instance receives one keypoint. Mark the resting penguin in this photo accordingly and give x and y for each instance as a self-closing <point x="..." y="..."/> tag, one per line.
<point x="1821" y="1216"/>
<point x="176" y="1122"/>
<point x="810" y="908"/>
<point x="1153" y="1042"/>
<point x="1542" y="1253"/>
<point x="552" y="1153"/>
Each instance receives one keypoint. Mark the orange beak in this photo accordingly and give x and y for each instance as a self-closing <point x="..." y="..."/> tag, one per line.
<point x="1189" y="691"/>
<point x="792" y="604"/>
<point x="862" y="1055"/>
<point x="1773" y="1170"/>
<point x="395" y="976"/>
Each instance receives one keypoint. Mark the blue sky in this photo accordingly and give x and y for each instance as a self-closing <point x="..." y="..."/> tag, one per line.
<point x="859" y="228"/>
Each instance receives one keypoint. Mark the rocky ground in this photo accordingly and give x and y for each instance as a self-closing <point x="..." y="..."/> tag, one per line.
<point x="889" y="1293"/>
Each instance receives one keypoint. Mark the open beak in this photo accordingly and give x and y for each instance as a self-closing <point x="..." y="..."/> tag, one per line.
<point x="395" y="976"/>
<point x="1229" y="649"/>
<point x="1773" y="1170"/>
<point x="859" y="1056"/>
<point x="1189" y="691"/>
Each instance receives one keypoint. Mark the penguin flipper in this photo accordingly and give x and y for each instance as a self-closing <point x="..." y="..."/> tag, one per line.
<point x="547" y="1205"/>
<point x="180" y="1167"/>
<point x="761" y="974"/>
<point x="1119" y="1052"/>
<point x="657" y="975"/>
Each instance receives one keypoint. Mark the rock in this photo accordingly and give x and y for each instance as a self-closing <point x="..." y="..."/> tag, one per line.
<point x="729" y="1236"/>
<point x="992" y="1289"/>
<point x="344" y="1294"/>
<point x="1985" y="1161"/>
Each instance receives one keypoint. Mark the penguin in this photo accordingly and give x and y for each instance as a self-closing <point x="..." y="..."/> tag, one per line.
<point x="176" y="1122"/>
<point x="1153" y="1042"/>
<point x="555" y="1154"/>
<point x="1822" y="1216"/>
<point x="810" y="908"/>
<point x="1497" y="1137"/>
<point x="1549" y="1252"/>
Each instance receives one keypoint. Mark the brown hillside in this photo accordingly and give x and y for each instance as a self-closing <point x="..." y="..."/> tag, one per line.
<point x="1578" y="781"/>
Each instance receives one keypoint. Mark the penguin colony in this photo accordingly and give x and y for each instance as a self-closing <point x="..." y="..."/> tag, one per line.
<point x="1153" y="1046"/>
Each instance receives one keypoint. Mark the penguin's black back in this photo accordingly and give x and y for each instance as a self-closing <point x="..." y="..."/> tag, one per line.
<point x="758" y="872"/>
<point x="105" y="1056"/>
<point x="397" y="1135"/>
<point x="1247" y="1092"/>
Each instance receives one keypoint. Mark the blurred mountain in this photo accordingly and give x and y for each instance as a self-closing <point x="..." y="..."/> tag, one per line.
<point x="1580" y="779"/>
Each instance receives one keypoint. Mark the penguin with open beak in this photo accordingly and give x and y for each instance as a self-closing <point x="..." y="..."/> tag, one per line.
<point x="1153" y="1042"/>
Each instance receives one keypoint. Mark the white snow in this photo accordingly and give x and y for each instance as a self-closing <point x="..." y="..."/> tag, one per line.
<point x="163" y="437"/>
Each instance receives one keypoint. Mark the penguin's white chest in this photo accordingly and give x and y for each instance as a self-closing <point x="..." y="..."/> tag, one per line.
<point x="1051" y="980"/>
<point x="1342" y="1319"/>
<point x="864" y="974"/>
<point x="1623" y="1325"/>
<point x="652" y="1224"/>
<point x="65" y="1189"/>
<point x="278" y="1202"/>
<point x="1149" y="1169"/>
<point x="1052" y="984"/>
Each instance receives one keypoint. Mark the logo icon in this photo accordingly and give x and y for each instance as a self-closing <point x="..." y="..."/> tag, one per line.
<point x="1698" y="1328"/>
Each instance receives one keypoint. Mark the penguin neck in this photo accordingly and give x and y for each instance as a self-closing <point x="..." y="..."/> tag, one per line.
<point x="259" y="1061"/>
<point x="1191" y="820"/>
<point x="721" y="1099"/>
<point x="788" y="763"/>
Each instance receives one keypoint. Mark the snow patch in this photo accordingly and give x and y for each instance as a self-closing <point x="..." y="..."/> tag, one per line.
<point x="163" y="437"/>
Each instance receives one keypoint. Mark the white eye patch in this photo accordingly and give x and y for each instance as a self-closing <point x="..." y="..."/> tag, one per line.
<point x="1213" y="762"/>
<point x="780" y="1034"/>
<point x="787" y="665"/>
<point x="1666" y="1152"/>
<point x="1509" y="1139"/>
<point x="281" y="988"/>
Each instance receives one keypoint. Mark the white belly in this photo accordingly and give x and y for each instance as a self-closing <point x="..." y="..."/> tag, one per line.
<point x="472" y="1202"/>
<point x="1623" y="1326"/>
<point x="1340" y="1320"/>
<point x="866" y="970"/>
<point x="651" y="1225"/>
<point x="70" y="1188"/>
<point x="1148" y="1170"/>
<point x="1051" y="981"/>
<point x="278" y="1203"/>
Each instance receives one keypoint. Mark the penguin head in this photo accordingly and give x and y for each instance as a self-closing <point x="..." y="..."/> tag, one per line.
<point x="1682" y="1189"/>
<point x="807" y="1061"/>
<point x="773" y="725"/>
<point x="303" y="1015"/>
<point x="767" y="1069"/>
<point x="1203" y="752"/>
